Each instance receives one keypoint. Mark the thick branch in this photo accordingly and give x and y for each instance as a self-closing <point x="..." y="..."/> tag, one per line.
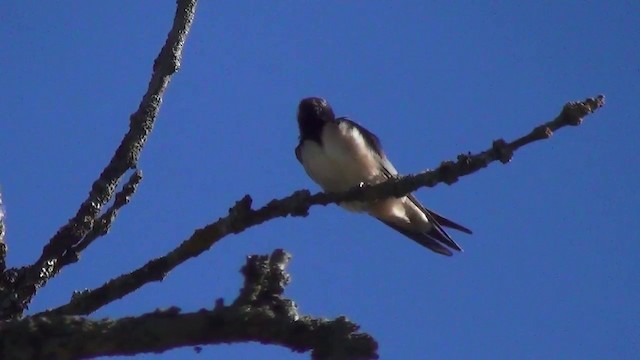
<point x="125" y="158"/>
<point x="259" y="314"/>
<point x="242" y="216"/>
<point x="72" y="337"/>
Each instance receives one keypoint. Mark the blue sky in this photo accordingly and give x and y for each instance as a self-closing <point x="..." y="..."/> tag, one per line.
<point x="552" y="269"/>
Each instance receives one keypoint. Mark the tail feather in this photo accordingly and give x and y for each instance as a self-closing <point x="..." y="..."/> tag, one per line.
<point x="448" y="223"/>
<point x="432" y="240"/>
<point x="436" y="239"/>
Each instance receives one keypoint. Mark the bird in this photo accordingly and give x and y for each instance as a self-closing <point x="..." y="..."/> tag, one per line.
<point x="339" y="154"/>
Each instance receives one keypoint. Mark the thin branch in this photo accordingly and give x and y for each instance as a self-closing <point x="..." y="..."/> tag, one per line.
<point x="7" y="277"/>
<point x="3" y="246"/>
<point x="259" y="314"/>
<point x="103" y="224"/>
<point x="242" y="216"/>
<point x="125" y="158"/>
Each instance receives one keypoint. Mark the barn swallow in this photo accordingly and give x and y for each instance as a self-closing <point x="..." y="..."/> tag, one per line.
<point x="338" y="154"/>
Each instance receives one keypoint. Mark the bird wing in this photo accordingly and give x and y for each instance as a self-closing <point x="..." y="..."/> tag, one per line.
<point x="437" y="238"/>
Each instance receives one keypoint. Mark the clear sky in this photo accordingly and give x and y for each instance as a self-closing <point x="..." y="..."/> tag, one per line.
<point x="553" y="268"/>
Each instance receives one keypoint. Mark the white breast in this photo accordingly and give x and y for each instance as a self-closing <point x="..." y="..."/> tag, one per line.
<point x="343" y="161"/>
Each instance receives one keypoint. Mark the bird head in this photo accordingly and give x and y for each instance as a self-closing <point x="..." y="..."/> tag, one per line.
<point x="313" y="113"/>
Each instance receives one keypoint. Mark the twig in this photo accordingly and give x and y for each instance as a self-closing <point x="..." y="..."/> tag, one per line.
<point x="126" y="157"/>
<point x="242" y="216"/>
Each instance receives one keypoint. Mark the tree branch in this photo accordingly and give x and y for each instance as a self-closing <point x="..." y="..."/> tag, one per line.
<point x="7" y="277"/>
<point x="241" y="216"/>
<point x="141" y="123"/>
<point x="3" y="246"/>
<point x="260" y="314"/>
<point x="103" y="224"/>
